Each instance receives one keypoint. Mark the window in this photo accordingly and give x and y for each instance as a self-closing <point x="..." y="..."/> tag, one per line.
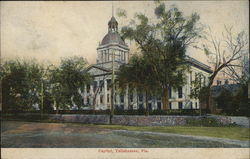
<point x="226" y="81"/>
<point x="117" y="55"/>
<point x="196" y="76"/>
<point x="196" y="105"/>
<point x="101" y="56"/>
<point x="150" y="106"/>
<point x="191" y="105"/>
<point x="122" y="98"/>
<point x="107" y="98"/>
<point x="218" y="82"/>
<point x="170" y="92"/>
<point x="116" y="84"/>
<point x="122" y="56"/>
<point x="158" y="105"/>
<point x="101" y="99"/>
<point x="180" y="105"/>
<point x="108" y="84"/>
<point x="105" y="57"/>
<point x="140" y="97"/>
<point x="170" y="105"/>
<point x="140" y="107"/>
<point x="191" y="77"/>
<point x="180" y="92"/>
<point x="131" y="97"/>
<point x="88" y="101"/>
<point x="100" y="85"/>
<point x="88" y="88"/>
<point x="125" y="56"/>
<point x="108" y="57"/>
<point x="95" y="85"/>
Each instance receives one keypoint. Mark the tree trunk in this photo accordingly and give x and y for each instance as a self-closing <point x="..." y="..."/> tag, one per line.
<point x="211" y="80"/>
<point x="147" y="108"/>
<point x="209" y="96"/>
<point x="209" y="102"/>
<point x="165" y="99"/>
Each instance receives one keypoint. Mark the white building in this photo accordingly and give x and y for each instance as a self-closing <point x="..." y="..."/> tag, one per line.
<point x="100" y="91"/>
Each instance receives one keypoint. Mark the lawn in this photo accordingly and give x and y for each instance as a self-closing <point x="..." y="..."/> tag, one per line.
<point x="220" y="132"/>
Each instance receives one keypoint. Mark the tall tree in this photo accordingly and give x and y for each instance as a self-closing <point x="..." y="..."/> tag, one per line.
<point x="67" y="79"/>
<point x="21" y="81"/>
<point x="137" y="76"/>
<point x="164" y="44"/>
<point x="225" y="55"/>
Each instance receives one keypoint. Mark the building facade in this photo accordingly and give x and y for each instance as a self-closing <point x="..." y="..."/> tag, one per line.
<point x="113" y="52"/>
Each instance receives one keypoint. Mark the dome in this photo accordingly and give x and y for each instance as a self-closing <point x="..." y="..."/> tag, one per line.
<point x="112" y="37"/>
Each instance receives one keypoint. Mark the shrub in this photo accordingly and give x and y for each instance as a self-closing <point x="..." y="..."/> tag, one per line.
<point x="204" y="122"/>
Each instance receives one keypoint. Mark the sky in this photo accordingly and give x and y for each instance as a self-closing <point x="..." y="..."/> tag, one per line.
<point x="51" y="30"/>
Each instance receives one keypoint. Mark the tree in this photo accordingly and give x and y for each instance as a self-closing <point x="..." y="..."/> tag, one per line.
<point x="21" y="81"/>
<point x="225" y="54"/>
<point x="137" y="75"/>
<point x="164" y="45"/>
<point x="66" y="80"/>
<point x="233" y="99"/>
<point x="55" y="89"/>
<point x="199" y="89"/>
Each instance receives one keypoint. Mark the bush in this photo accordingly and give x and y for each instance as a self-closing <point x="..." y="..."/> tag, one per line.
<point x="118" y="112"/>
<point x="210" y="122"/>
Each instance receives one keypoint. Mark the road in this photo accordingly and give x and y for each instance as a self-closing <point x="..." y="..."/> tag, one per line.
<point x="16" y="134"/>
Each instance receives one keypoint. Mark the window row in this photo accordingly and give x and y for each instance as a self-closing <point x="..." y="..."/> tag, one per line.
<point x="106" y="56"/>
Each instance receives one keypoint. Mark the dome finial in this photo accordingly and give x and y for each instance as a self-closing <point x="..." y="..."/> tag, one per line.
<point x="112" y="9"/>
<point x="113" y="24"/>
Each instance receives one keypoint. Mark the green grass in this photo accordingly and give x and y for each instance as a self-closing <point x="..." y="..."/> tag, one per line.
<point x="220" y="132"/>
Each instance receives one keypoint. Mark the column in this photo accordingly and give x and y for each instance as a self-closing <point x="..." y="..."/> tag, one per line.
<point x="105" y="94"/>
<point x="97" y="95"/>
<point x="144" y="100"/>
<point x="154" y="103"/>
<point x="85" y="95"/>
<point x="135" y="105"/>
<point x="126" y="99"/>
<point x="91" y="95"/>
<point x="117" y="96"/>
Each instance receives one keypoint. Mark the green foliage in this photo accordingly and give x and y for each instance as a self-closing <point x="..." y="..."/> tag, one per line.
<point x="21" y="82"/>
<point x="163" y="45"/>
<point x="27" y="83"/>
<point x="137" y="75"/>
<point x="121" y="12"/>
<point x="66" y="80"/>
<point x="199" y="90"/>
<point x="210" y="122"/>
<point x="234" y="103"/>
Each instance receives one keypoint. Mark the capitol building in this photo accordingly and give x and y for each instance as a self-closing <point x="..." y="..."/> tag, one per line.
<point x="113" y="52"/>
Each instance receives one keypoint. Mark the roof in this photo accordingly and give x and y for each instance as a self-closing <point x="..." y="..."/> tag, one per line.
<point x="98" y="67"/>
<point x="112" y="37"/>
<point x="198" y="64"/>
<point x="217" y="90"/>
